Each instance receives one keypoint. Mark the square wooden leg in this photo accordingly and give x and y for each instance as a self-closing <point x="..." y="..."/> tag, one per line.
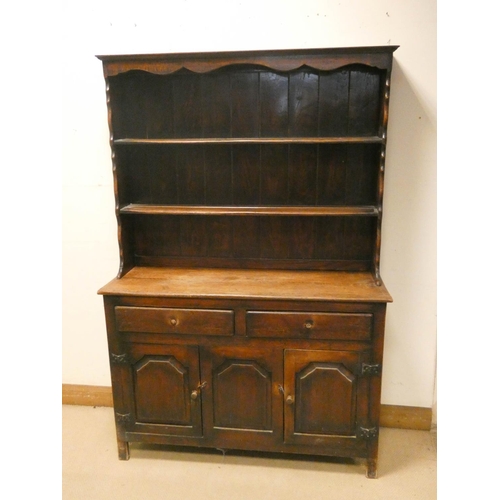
<point x="371" y="468"/>
<point x="123" y="450"/>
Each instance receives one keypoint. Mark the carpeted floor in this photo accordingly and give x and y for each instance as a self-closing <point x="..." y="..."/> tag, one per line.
<point x="91" y="469"/>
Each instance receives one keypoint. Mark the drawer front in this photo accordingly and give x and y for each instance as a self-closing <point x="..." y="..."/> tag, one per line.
<point x="174" y="321"/>
<point x="310" y="325"/>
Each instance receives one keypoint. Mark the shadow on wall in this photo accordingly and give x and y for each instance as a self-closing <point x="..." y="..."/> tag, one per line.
<point x="408" y="258"/>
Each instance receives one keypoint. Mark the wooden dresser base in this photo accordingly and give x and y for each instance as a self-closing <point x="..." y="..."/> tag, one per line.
<point x="252" y="366"/>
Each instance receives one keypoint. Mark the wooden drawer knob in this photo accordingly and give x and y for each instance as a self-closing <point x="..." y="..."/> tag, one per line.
<point x="174" y="321"/>
<point x="308" y="324"/>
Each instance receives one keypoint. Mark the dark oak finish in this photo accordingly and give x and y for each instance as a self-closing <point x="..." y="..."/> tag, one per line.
<point x="242" y="402"/>
<point x="248" y="311"/>
<point x="323" y="395"/>
<point x="176" y="321"/>
<point x="309" y="326"/>
<point x="159" y="393"/>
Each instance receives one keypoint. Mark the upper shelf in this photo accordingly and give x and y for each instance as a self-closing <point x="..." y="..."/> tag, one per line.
<point x="254" y="140"/>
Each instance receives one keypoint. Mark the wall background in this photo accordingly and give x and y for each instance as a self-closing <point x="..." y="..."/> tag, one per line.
<point x="89" y="239"/>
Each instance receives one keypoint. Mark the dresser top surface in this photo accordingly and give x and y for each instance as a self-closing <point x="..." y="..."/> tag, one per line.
<point x="248" y="284"/>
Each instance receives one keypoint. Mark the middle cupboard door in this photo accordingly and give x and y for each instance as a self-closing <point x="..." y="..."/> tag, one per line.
<point x="242" y="403"/>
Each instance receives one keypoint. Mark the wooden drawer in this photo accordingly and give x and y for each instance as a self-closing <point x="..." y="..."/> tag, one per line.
<point x="175" y="321"/>
<point x="310" y="325"/>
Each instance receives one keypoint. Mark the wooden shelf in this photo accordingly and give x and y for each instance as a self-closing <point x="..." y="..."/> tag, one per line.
<point x="255" y="140"/>
<point x="136" y="208"/>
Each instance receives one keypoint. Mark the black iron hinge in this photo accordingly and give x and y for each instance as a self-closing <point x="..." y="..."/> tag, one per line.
<point x="122" y="417"/>
<point x="367" y="433"/>
<point x="367" y="369"/>
<point x="119" y="359"/>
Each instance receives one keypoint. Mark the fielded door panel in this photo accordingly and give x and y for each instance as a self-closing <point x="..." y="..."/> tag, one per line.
<point x="242" y="401"/>
<point x="325" y="399"/>
<point x="165" y="389"/>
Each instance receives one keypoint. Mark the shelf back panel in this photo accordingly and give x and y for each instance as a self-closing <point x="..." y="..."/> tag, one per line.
<point x="295" y="242"/>
<point x="247" y="101"/>
<point x="248" y="174"/>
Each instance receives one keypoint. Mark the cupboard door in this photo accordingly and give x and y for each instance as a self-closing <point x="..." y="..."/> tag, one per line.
<point x="242" y="402"/>
<point x="324" y="396"/>
<point x="164" y="396"/>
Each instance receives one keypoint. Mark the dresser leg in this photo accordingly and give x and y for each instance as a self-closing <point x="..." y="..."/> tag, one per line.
<point x="371" y="468"/>
<point x="123" y="450"/>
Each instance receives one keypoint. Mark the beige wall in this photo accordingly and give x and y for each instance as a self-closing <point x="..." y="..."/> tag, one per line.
<point x="408" y="264"/>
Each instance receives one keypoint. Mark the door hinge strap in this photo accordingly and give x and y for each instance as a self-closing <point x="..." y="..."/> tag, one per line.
<point x="367" y="369"/>
<point x="367" y="433"/>
<point x="122" y="417"/>
<point x="119" y="359"/>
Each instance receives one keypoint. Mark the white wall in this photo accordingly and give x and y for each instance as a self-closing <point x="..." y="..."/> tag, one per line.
<point x="408" y="263"/>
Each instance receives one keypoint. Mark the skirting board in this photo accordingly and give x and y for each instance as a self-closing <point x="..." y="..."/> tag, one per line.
<point x="400" y="417"/>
